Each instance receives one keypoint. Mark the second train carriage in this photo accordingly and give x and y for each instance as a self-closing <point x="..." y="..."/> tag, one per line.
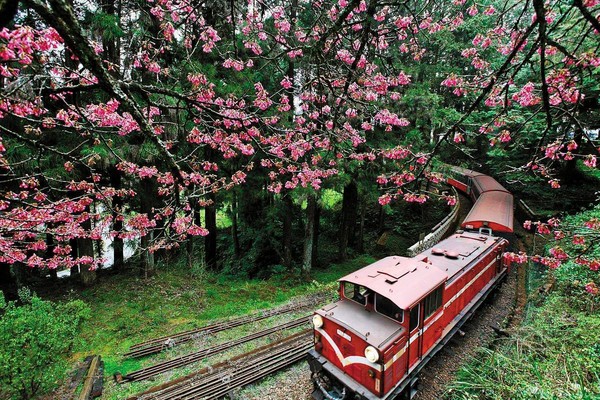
<point x="492" y="203"/>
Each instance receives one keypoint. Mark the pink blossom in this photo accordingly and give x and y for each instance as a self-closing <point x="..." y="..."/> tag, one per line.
<point x="385" y="199"/>
<point x="504" y="136"/>
<point x="286" y="83"/>
<point x="592" y="289"/>
<point x="542" y="229"/>
<point x="590" y="161"/>
<point x="526" y="96"/>
<point x="509" y="257"/>
<point x="294" y="53"/>
<point x="450" y="200"/>
<point x="490" y="10"/>
<point x="593" y="223"/>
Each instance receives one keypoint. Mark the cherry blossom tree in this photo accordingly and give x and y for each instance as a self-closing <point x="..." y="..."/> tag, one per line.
<point x="169" y="95"/>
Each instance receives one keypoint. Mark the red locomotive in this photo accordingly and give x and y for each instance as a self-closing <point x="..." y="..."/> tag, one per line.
<point x="396" y="313"/>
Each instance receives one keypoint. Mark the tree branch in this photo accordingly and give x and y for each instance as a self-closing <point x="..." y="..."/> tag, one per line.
<point x="59" y="14"/>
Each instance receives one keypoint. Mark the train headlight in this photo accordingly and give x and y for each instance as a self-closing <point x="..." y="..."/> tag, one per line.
<point x="317" y="321"/>
<point x="372" y="354"/>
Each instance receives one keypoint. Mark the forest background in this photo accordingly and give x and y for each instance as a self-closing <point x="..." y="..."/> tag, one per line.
<point x="266" y="138"/>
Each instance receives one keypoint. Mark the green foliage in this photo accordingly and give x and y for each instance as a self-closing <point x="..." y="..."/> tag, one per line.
<point x="107" y="24"/>
<point x="571" y="278"/>
<point x="330" y="199"/>
<point x="36" y="337"/>
<point x="553" y="355"/>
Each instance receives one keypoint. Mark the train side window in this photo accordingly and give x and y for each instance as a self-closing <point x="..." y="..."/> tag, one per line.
<point x="414" y="318"/>
<point x="385" y="306"/>
<point x="432" y="302"/>
<point x="355" y="292"/>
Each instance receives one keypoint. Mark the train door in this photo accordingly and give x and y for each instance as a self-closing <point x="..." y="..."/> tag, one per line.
<point x="415" y="335"/>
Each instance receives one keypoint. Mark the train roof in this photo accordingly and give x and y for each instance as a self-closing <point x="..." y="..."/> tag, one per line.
<point x="403" y="280"/>
<point x="456" y="252"/>
<point x="492" y="209"/>
<point x="465" y="172"/>
<point x="486" y="183"/>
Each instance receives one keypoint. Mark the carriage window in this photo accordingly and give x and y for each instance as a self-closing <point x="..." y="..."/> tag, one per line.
<point x="385" y="306"/>
<point x="432" y="302"/>
<point x="355" y="292"/>
<point x="414" y="317"/>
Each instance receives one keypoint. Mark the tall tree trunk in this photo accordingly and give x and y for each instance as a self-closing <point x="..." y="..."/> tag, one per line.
<point x="348" y="222"/>
<point x="234" y="226"/>
<point x="8" y="284"/>
<point x="210" y="240"/>
<point x="74" y="253"/>
<point x="118" y="245"/>
<point x="111" y="45"/>
<point x="148" y="265"/>
<point x="310" y="235"/>
<point x="191" y="241"/>
<point x="287" y="200"/>
<point x="147" y="260"/>
<point x="19" y="271"/>
<point x="288" y="212"/>
<point x="85" y="247"/>
<point x="317" y="230"/>
<point x="380" y="219"/>
<point x="49" y="253"/>
<point x="569" y="172"/>
<point x="360" y="246"/>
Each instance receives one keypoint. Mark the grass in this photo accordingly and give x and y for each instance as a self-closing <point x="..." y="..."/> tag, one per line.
<point x="553" y="355"/>
<point x="127" y="309"/>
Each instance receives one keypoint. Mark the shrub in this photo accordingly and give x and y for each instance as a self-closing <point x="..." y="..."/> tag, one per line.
<point x="36" y="338"/>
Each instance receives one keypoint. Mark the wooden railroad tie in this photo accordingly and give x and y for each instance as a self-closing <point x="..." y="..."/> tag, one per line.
<point x="94" y="380"/>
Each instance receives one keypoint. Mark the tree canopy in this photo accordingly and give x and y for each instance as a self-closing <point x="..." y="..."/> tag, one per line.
<point x="128" y="116"/>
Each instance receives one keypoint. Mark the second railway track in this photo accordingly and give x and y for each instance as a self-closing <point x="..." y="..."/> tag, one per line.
<point x="219" y="380"/>
<point x="191" y="358"/>
<point x="157" y="345"/>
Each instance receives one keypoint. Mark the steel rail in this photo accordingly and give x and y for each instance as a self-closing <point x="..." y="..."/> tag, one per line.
<point x="191" y="358"/>
<point x="243" y="377"/>
<point x="217" y="382"/>
<point x="235" y="360"/>
<point x="214" y="383"/>
<point x="159" y="344"/>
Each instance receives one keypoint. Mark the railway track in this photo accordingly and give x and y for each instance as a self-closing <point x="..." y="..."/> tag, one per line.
<point x="191" y="358"/>
<point x="157" y="345"/>
<point x="219" y="380"/>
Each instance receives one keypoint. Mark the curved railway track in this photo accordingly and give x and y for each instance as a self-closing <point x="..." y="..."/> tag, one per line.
<point x="157" y="345"/>
<point x="219" y="380"/>
<point x="191" y="358"/>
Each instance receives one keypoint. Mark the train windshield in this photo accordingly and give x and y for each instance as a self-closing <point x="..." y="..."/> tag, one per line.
<point x="385" y="306"/>
<point x="355" y="292"/>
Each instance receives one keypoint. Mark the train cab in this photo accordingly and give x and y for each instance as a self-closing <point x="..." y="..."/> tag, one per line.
<point x="372" y="336"/>
<point x="395" y="314"/>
